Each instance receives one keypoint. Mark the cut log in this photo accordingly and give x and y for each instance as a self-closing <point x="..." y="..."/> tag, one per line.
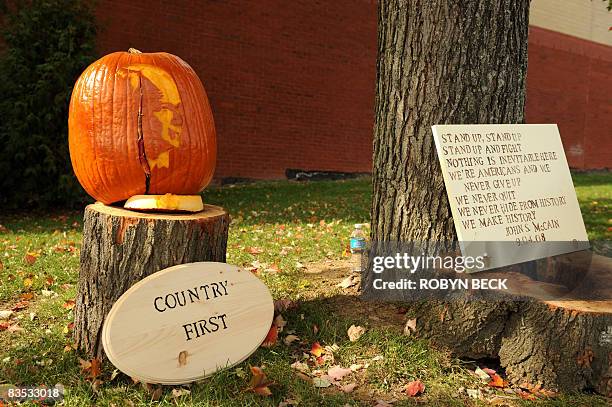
<point x="559" y="336"/>
<point x="121" y="247"/>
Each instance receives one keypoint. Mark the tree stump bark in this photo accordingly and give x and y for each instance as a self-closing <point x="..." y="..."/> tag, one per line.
<point x="562" y="344"/>
<point x="121" y="247"/>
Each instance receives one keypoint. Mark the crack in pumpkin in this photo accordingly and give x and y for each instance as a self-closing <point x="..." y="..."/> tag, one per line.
<point x="142" y="156"/>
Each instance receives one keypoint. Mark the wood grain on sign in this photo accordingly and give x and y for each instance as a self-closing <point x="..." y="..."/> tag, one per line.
<point x="186" y="322"/>
<point x="510" y="183"/>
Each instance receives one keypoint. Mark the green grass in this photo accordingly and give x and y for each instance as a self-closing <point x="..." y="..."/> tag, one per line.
<point x="594" y="191"/>
<point x="293" y="224"/>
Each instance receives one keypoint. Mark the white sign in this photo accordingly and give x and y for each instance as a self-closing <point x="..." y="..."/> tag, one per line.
<point x="510" y="183"/>
<point x="186" y="322"/>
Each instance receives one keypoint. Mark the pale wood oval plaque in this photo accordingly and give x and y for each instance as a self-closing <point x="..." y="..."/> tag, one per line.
<point x="186" y="322"/>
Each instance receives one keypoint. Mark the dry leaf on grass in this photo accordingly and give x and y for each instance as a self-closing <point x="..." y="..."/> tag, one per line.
<point x="316" y="349"/>
<point x="347" y="282"/>
<point x="69" y="304"/>
<point x="254" y="250"/>
<point x="410" y="326"/>
<point x="92" y="368"/>
<point x="271" y="337"/>
<point x="259" y="383"/>
<point x="482" y="374"/>
<point x="280" y="322"/>
<point x="415" y="388"/>
<point x="289" y="339"/>
<point x="6" y="314"/>
<point x="30" y="259"/>
<point x="284" y="305"/>
<point x="336" y="373"/>
<point x="355" y="332"/>
<point x="497" y="381"/>
<point x="348" y="388"/>
<point x="176" y="393"/>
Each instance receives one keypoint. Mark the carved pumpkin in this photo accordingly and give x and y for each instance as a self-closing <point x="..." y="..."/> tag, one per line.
<point x="140" y="123"/>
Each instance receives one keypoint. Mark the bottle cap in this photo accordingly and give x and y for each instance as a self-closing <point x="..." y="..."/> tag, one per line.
<point x="358" y="225"/>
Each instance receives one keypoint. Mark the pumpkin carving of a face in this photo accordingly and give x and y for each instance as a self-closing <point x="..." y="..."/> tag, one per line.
<point x="141" y="123"/>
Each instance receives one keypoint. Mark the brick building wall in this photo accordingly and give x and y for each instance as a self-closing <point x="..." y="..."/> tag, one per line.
<point x="292" y="85"/>
<point x="569" y="82"/>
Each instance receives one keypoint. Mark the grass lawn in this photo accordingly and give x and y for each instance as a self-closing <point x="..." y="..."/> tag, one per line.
<point x="298" y="227"/>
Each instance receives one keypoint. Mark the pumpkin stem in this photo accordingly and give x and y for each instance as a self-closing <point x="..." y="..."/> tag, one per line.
<point x="134" y="51"/>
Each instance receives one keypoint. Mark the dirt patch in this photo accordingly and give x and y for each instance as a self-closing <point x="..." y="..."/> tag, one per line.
<point x="334" y="281"/>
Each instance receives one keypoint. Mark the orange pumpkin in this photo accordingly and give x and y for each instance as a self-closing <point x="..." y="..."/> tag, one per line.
<point x="140" y="123"/>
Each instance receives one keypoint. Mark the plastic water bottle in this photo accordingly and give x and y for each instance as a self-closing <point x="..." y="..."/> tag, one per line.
<point x="357" y="245"/>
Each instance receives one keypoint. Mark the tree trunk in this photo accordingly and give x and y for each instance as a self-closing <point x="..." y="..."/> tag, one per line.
<point x="121" y="247"/>
<point x="439" y="62"/>
<point x="451" y="62"/>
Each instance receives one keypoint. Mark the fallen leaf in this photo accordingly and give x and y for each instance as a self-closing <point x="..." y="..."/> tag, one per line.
<point x="482" y="374"/>
<point x="259" y="383"/>
<point x="321" y="382"/>
<point x="254" y="250"/>
<point x="1" y="265"/>
<point x="497" y="381"/>
<point x="273" y="269"/>
<point x="347" y="282"/>
<point x="284" y="305"/>
<point x="336" y="373"/>
<point x="96" y="368"/>
<point x="6" y="314"/>
<point x="92" y="368"/>
<point x="488" y="371"/>
<point x="15" y="328"/>
<point x="415" y="388"/>
<point x="27" y="296"/>
<point x="410" y="326"/>
<point x="280" y="322"/>
<point x="317" y="349"/>
<point x="176" y="393"/>
<point x="69" y="304"/>
<point x="20" y="305"/>
<point x="355" y="332"/>
<point x="348" y="388"/>
<point x="355" y="367"/>
<point x="4" y="325"/>
<point x="27" y="282"/>
<point x="30" y="259"/>
<point x="288" y="402"/>
<point x="271" y="337"/>
<point x="289" y="339"/>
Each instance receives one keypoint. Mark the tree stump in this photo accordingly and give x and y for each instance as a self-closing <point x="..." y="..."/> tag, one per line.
<point x="121" y="247"/>
<point x="562" y="344"/>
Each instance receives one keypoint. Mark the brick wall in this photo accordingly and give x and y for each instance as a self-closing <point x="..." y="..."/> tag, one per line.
<point x="569" y="82"/>
<point x="292" y="83"/>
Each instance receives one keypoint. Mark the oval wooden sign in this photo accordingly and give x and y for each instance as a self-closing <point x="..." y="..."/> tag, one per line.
<point x="186" y="322"/>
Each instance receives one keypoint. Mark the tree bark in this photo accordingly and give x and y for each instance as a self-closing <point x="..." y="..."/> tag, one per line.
<point x="456" y="62"/>
<point x="439" y="62"/>
<point x="121" y="247"/>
